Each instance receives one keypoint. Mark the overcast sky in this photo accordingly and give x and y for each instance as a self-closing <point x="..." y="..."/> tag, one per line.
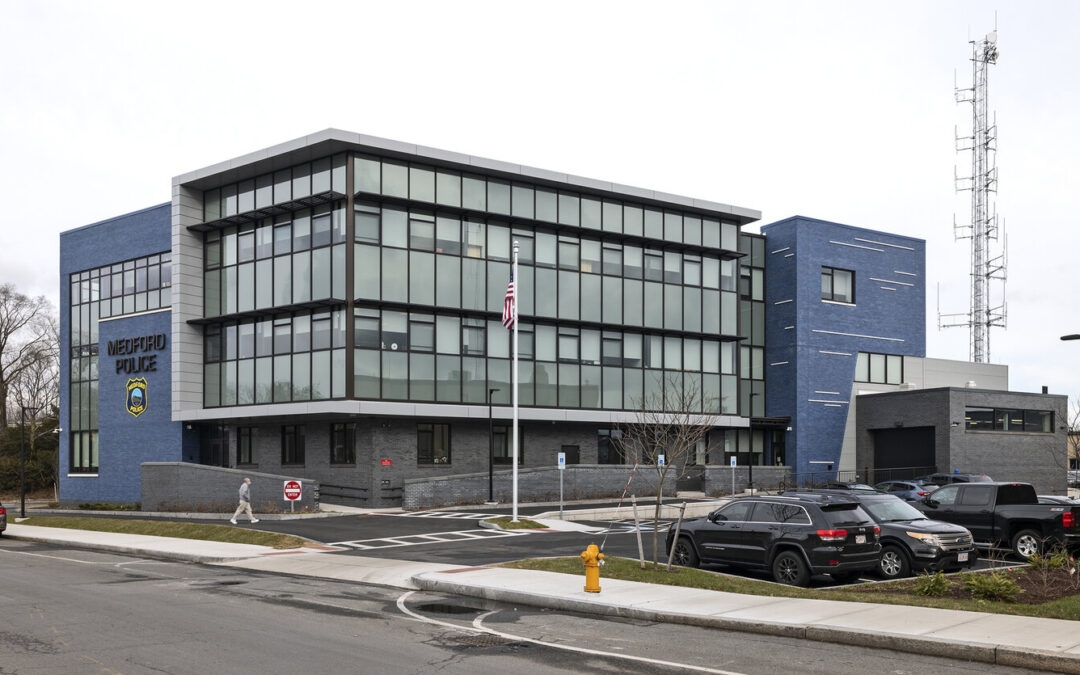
<point x="836" y="110"/>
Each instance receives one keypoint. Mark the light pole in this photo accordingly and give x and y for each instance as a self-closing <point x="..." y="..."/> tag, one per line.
<point x="491" y="449"/>
<point x="1073" y="336"/>
<point x="22" y="459"/>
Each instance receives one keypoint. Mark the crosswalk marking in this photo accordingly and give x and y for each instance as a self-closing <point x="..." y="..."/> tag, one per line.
<point x="433" y="538"/>
<point x="460" y="515"/>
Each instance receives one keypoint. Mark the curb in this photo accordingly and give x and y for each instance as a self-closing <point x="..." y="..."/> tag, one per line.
<point x="132" y="550"/>
<point x="193" y="515"/>
<point x="913" y="644"/>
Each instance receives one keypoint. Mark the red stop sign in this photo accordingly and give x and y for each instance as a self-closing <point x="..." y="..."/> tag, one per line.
<point x="293" y="490"/>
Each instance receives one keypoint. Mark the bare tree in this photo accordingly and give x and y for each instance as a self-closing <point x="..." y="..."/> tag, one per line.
<point x="668" y="427"/>
<point x="25" y="324"/>
<point x="37" y="385"/>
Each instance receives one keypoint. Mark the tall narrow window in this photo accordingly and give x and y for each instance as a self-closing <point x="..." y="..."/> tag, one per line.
<point x="292" y="445"/>
<point x="244" y="447"/>
<point x="343" y="444"/>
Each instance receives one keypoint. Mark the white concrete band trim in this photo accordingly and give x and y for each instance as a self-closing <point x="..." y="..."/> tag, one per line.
<point x="906" y="274"/>
<point x="788" y="255"/>
<point x="779" y="363"/>
<point x="823" y="351"/>
<point x="782" y="302"/>
<point x="788" y="327"/>
<point x="823" y="400"/>
<point x="886" y="288"/>
<point x="82" y="475"/>
<point x="882" y="243"/>
<point x="858" y="335"/>
<point x="128" y="316"/>
<point x="832" y="405"/>
<point x="868" y="248"/>
<point x="842" y="304"/>
<point x="436" y="410"/>
<point x="830" y="393"/>
<point x="890" y="281"/>
<point x="781" y="250"/>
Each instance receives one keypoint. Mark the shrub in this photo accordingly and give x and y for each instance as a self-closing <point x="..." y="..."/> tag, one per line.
<point x="931" y="585"/>
<point x="993" y="586"/>
<point x="1058" y="560"/>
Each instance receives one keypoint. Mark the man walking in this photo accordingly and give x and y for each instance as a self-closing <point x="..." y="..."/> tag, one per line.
<point x="245" y="502"/>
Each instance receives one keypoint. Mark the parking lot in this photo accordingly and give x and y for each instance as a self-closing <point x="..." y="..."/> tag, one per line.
<point x="447" y="536"/>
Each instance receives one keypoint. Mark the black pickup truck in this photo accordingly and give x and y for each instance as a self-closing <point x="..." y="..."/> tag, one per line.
<point x="1005" y="514"/>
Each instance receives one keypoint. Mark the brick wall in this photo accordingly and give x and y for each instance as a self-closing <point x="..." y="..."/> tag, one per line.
<point x="180" y="486"/>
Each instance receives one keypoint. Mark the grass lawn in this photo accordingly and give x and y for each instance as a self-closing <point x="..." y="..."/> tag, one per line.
<point x="629" y="570"/>
<point x="522" y="524"/>
<point x="204" y="532"/>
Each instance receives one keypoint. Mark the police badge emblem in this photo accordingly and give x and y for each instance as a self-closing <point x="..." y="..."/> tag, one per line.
<point x="136" y="396"/>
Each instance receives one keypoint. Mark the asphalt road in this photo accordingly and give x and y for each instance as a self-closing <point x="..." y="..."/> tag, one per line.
<point x="74" y="611"/>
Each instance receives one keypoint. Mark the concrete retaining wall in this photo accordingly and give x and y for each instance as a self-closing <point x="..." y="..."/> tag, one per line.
<point x="182" y="486"/>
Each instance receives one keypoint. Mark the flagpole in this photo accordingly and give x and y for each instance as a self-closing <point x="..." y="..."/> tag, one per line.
<point x="514" y="384"/>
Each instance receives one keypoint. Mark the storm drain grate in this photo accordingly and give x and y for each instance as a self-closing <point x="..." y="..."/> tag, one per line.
<point x="485" y="640"/>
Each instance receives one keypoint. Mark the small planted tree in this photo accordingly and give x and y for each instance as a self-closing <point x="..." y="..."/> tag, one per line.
<point x="669" y="426"/>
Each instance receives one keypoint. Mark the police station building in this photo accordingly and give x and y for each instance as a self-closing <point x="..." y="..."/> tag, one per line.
<point x="330" y="308"/>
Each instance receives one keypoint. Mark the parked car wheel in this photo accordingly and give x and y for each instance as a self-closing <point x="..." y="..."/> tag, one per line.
<point x="1027" y="543"/>
<point x="684" y="555"/>
<point x="789" y="568"/>
<point x="893" y="563"/>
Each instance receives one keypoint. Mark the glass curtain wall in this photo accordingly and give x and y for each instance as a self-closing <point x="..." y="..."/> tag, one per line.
<point x="620" y="302"/>
<point x="129" y="287"/>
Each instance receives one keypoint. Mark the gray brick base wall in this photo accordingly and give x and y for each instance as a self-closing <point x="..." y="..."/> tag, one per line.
<point x="180" y="486"/>
<point x="718" y="478"/>
<point x="580" y="481"/>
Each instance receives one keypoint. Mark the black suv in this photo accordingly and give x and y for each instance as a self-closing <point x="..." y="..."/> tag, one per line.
<point x="910" y="540"/>
<point x="793" y="536"/>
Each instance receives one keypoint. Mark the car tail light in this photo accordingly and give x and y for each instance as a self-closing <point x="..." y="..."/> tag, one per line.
<point x="832" y="535"/>
<point x="1067" y="519"/>
<point x="922" y="494"/>
<point x="3" y="512"/>
<point x="877" y="531"/>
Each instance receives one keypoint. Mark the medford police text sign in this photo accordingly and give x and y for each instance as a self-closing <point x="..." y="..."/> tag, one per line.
<point x="137" y="345"/>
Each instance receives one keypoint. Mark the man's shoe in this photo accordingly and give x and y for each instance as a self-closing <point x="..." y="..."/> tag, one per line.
<point x="254" y="520"/>
<point x="232" y="520"/>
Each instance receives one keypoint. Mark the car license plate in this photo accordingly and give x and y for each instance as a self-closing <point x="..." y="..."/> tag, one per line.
<point x="961" y="557"/>
<point x="860" y="539"/>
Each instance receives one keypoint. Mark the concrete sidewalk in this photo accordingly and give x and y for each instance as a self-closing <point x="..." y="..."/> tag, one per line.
<point x="1047" y="644"/>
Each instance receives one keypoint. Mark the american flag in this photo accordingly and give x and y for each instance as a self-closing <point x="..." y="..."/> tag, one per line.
<point x="509" y="302"/>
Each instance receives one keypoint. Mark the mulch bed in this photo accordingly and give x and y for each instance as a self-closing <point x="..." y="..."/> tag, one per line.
<point x="1037" y="586"/>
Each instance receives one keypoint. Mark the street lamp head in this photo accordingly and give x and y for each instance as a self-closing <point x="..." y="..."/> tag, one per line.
<point x="1072" y="336"/>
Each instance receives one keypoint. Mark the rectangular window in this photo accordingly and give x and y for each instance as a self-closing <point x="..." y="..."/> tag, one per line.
<point x="503" y="452"/>
<point x="1010" y="420"/>
<point x="343" y="444"/>
<point x="292" y="445"/>
<point x="432" y="444"/>
<point x="245" y="453"/>
<point x="837" y="285"/>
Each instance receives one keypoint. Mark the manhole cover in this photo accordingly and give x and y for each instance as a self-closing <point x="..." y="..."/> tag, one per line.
<point x="485" y="640"/>
<point x="444" y="608"/>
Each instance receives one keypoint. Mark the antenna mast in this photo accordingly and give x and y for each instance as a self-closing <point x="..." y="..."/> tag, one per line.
<point x="983" y="227"/>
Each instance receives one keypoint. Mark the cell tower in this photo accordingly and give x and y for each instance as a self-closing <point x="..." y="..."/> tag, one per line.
<point x="986" y="266"/>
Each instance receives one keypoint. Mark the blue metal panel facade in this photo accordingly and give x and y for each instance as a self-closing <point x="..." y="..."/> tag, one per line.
<point x="811" y="345"/>
<point x="124" y="440"/>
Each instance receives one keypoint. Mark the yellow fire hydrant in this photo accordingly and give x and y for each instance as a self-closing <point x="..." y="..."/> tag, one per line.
<point x="593" y="558"/>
